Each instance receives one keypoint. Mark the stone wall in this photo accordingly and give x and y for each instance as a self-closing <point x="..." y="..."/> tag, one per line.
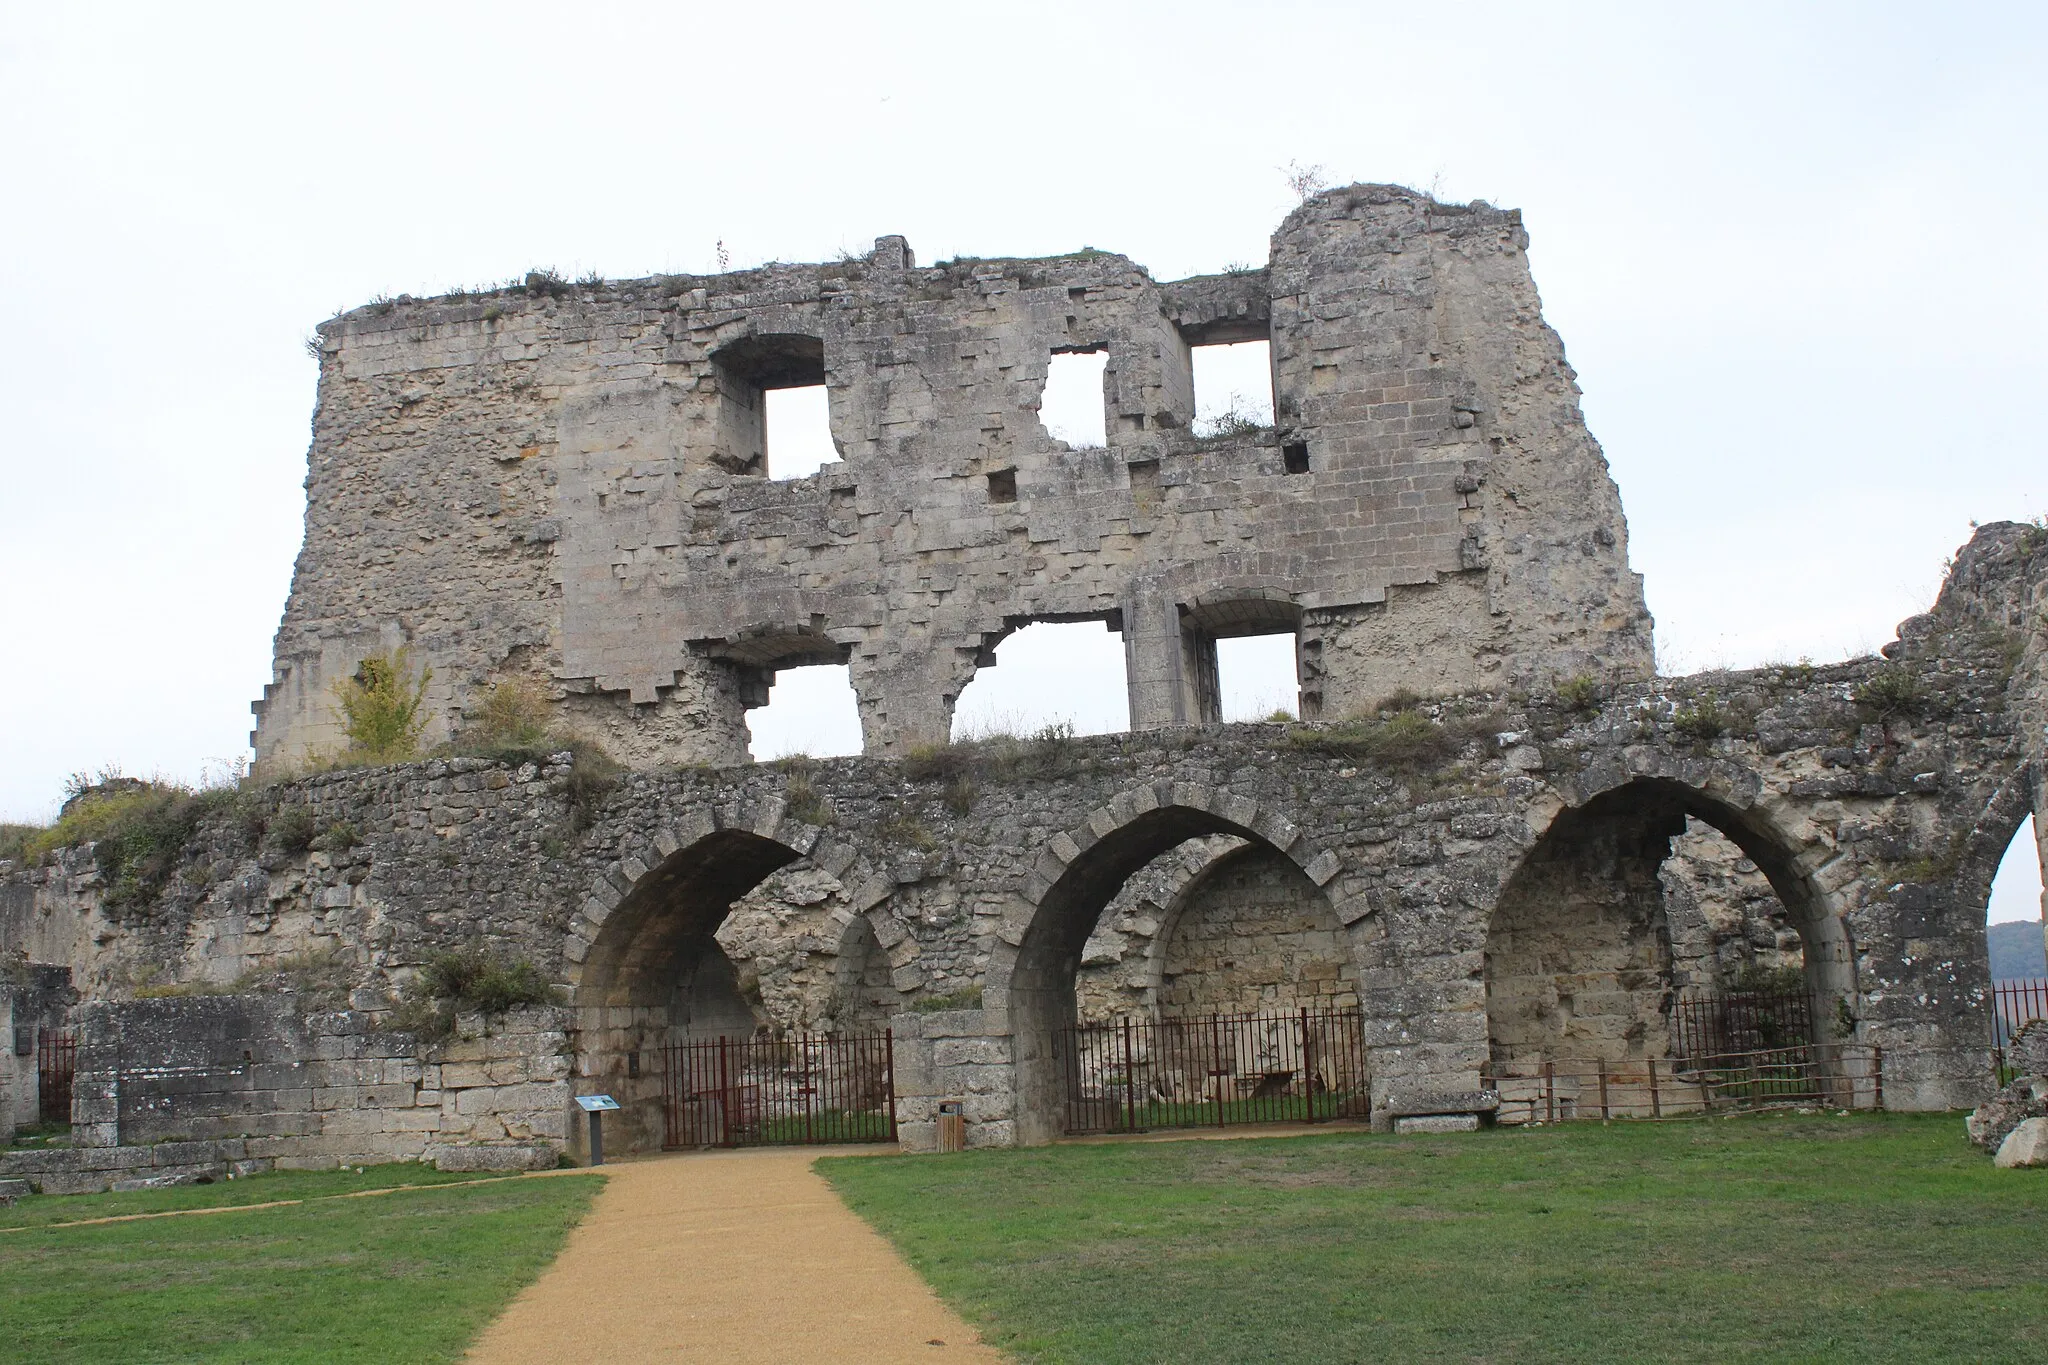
<point x="1877" y="796"/>
<point x="566" y="484"/>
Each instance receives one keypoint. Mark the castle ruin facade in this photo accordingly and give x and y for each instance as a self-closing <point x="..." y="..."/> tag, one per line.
<point x="1492" y="834"/>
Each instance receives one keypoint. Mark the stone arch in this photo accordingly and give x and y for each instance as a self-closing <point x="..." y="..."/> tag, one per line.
<point x="1030" y="976"/>
<point x="1577" y="953"/>
<point x="1248" y="934"/>
<point x="641" y="956"/>
<point x="1980" y="850"/>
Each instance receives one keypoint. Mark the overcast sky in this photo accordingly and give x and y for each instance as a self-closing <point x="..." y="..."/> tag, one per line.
<point x="1795" y="253"/>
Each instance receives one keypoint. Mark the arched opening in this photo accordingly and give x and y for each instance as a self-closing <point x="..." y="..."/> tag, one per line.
<point x="1043" y="996"/>
<point x="1602" y="927"/>
<point x="656" y="973"/>
<point x="811" y="711"/>
<point x="2016" y="919"/>
<point x="1253" y="935"/>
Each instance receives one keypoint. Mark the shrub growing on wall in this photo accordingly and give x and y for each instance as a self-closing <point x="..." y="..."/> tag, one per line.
<point x="381" y="709"/>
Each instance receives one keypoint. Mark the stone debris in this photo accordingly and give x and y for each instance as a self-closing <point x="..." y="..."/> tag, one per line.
<point x="2026" y="1145"/>
<point x="1992" y="1121"/>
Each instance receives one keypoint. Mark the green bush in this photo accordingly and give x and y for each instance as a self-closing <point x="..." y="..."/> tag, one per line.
<point x="1701" y="721"/>
<point x="138" y="831"/>
<point x="291" y="829"/>
<point x="1891" y="690"/>
<point x="464" y="982"/>
<point x="1579" y="694"/>
<point x="382" y="709"/>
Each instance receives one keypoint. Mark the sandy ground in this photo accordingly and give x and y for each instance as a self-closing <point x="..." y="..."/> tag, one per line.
<point x="735" y="1257"/>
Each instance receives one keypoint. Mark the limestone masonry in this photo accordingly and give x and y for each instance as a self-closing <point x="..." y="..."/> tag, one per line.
<point x="1493" y="833"/>
<point x="570" y="484"/>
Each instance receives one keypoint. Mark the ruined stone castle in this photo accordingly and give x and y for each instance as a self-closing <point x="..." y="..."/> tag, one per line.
<point x="567" y="486"/>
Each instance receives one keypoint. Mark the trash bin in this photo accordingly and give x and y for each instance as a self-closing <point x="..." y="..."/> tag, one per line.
<point x="952" y="1126"/>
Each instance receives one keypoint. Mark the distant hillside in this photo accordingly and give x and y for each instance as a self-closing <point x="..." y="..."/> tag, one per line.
<point x="2016" y="950"/>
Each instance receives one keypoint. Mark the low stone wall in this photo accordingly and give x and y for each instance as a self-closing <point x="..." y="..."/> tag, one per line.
<point x="205" y="1081"/>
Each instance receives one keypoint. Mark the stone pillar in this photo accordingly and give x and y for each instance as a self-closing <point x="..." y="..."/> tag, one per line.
<point x="963" y="1055"/>
<point x="1163" y="668"/>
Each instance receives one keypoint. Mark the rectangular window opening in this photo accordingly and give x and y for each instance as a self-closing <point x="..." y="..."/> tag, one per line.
<point x="810" y="711"/>
<point x="1233" y="388"/>
<point x="799" y="432"/>
<point x="1002" y="485"/>
<point x="1047" y="675"/>
<point x="1258" y="678"/>
<point x="1074" y="408"/>
<point x="1294" y="457"/>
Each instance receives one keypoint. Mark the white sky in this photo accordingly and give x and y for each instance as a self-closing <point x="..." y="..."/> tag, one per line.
<point x="1795" y="254"/>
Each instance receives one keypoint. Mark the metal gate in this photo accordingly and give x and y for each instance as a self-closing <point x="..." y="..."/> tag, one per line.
<point x="754" y="1092"/>
<point x="1214" y="1071"/>
<point x="56" y="1066"/>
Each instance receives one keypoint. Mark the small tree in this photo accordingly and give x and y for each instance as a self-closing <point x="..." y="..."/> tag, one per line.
<point x="381" y="708"/>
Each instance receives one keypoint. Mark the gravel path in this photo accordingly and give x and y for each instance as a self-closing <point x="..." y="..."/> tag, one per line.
<point x="734" y="1257"/>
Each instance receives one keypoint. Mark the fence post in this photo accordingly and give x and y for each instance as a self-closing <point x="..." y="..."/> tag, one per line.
<point x="1877" y="1070"/>
<point x="1603" y="1090"/>
<point x="1656" y="1104"/>
<point x="1756" y="1083"/>
<point x="889" y="1077"/>
<point x="1549" y="1091"/>
<point x="724" y="1097"/>
<point x="1130" y="1082"/>
<point x="1216" y="1064"/>
<point x="1308" y="1068"/>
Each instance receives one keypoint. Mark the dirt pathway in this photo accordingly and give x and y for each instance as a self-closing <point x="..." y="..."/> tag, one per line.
<point x="735" y="1257"/>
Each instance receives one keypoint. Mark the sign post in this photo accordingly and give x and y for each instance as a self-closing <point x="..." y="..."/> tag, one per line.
<point x="595" y="1106"/>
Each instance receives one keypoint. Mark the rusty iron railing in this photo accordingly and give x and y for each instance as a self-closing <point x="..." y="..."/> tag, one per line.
<point x="1715" y="1023"/>
<point x="1215" y="1070"/>
<point x="789" y="1091"/>
<point x="1553" y="1090"/>
<point x="2014" y="1005"/>
<point x="56" y="1068"/>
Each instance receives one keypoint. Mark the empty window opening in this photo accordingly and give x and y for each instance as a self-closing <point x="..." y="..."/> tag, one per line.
<point x="1002" y="485"/>
<point x="1294" y="457"/>
<point x="811" y="711"/>
<point x="1233" y="388"/>
<point x="799" y="432"/>
<point x="1048" y="674"/>
<point x="773" y="417"/>
<point x="1073" y="408"/>
<point x="1257" y="677"/>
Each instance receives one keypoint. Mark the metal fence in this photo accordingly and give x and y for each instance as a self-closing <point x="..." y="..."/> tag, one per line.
<point x="1837" y="1075"/>
<point x="804" y="1088"/>
<point x="2014" y="1005"/>
<point x="1716" y="1023"/>
<point x="56" y="1066"/>
<point x="1213" y="1071"/>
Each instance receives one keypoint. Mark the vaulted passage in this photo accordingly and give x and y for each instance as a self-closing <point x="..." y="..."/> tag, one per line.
<point x="1580" y="961"/>
<point x="657" y="975"/>
<point x="1247" y="882"/>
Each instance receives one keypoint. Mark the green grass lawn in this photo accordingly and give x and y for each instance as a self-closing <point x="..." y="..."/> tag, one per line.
<point x="1875" y="1237"/>
<point x="410" y="1276"/>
